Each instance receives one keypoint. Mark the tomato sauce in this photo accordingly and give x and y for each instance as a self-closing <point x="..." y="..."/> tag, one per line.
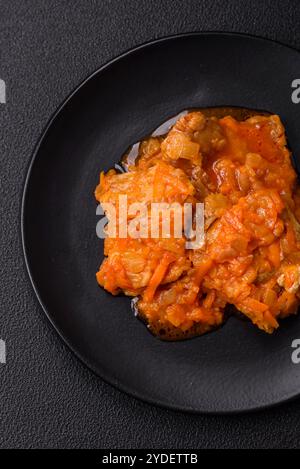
<point x="235" y="161"/>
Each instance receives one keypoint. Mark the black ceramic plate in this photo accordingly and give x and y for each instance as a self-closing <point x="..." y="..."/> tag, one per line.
<point x="236" y="368"/>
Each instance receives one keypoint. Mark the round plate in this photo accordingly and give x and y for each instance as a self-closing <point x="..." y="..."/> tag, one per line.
<point x="236" y="368"/>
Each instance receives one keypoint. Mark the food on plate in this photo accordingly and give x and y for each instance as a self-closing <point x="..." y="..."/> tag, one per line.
<point x="237" y="163"/>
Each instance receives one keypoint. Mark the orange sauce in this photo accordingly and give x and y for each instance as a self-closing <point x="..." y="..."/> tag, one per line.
<point x="237" y="163"/>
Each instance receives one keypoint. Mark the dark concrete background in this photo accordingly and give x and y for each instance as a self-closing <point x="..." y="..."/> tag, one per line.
<point x="47" y="398"/>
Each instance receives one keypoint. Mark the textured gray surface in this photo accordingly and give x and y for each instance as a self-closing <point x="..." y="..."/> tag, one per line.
<point x="47" y="398"/>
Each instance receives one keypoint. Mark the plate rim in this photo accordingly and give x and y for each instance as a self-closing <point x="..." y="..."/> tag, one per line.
<point x="34" y="153"/>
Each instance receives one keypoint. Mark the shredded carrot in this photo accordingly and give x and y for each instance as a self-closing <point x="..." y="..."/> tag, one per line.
<point x="158" y="275"/>
<point x="274" y="254"/>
